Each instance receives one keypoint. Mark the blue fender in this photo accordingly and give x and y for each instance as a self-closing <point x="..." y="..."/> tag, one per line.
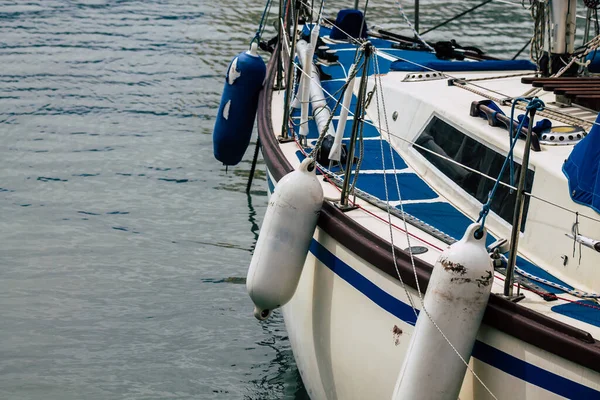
<point x="237" y="111"/>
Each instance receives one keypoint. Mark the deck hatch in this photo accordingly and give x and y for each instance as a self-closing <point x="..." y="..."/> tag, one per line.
<point x="444" y="139"/>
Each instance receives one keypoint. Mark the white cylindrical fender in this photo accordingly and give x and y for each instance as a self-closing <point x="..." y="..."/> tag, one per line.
<point x="298" y="100"/>
<point x="307" y="68"/>
<point x="314" y="36"/>
<point x="284" y="239"/>
<point x="456" y="298"/>
<point x="321" y="111"/>
<point x="336" y="150"/>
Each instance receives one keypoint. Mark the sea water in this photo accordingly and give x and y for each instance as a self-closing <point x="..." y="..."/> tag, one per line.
<point x="123" y="243"/>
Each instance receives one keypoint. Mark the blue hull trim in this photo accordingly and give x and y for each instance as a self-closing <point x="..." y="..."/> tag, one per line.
<point x="532" y="374"/>
<point x="483" y="352"/>
<point x="270" y="183"/>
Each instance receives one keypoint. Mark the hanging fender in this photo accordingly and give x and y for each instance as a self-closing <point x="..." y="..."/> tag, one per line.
<point x="284" y="239"/>
<point x="239" y="102"/>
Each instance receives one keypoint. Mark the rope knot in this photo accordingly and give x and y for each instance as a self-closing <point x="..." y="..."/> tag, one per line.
<point x="536" y="103"/>
<point x="485" y="210"/>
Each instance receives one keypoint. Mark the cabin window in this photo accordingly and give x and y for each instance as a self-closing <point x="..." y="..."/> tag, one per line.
<point x="444" y="139"/>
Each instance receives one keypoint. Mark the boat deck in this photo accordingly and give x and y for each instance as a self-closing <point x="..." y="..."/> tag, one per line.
<point x="421" y="201"/>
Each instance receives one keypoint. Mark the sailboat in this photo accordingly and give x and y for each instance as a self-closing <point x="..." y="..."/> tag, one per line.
<point x="433" y="229"/>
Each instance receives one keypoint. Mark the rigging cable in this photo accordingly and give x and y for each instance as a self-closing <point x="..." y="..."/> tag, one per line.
<point x="412" y="259"/>
<point x="261" y="25"/>
<point x="447" y="158"/>
<point x="556" y="115"/>
<point x="457" y="16"/>
<point x="455" y="162"/>
<point x="410" y="25"/>
<point x="412" y="143"/>
<point x="257" y="37"/>
<point x="533" y="277"/>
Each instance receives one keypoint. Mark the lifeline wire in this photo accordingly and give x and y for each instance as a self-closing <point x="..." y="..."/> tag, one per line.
<point x="573" y="292"/>
<point x="547" y="113"/>
<point x="452" y="160"/>
<point x="412" y="259"/>
<point x="439" y="155"/>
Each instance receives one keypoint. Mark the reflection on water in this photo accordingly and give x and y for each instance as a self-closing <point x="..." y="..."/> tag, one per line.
<point x="254" y="228"/>
<point x="283" y="381"/>
<point x="124" y="244"/>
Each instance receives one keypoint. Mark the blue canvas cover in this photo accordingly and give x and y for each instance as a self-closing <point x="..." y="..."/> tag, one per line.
<point x="594" y="58"/>
<point x="449" y="66"/>
<point x="582" y="169"/>
<point x="349" y="22"/>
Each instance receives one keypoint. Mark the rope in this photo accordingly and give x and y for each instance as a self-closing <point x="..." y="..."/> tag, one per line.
<point x="538" y="38"/>
<point x="412" y="259"/>
<point x="464" y="166"/>
<point x="536" y="104"/>
<point x="566" y="119"/>
<point x="490" y="78"/>
<point x="573" y="292"/>
<point x="388" y="132"/>
<point x="590" y="46"/>
<point x="387" y="198"/>
<point x="547" y="113"/>
<point x="478" y="92"/>
<point x="329" y="176"/>
<point x="261" y="27"/>
<point x="410" y="25"/>
<point x="556" y="115"/>
<point x="457" y="16"/>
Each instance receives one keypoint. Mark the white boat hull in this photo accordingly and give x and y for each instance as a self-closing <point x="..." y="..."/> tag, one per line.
<point x="350" y="323"/>
<point x="349" y="326"/>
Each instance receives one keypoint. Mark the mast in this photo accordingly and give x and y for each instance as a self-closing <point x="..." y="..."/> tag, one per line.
<point x="560" y="37"/>
<point x="417" y="16"/>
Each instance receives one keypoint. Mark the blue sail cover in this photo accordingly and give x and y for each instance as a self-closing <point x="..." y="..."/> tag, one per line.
<point x="582" y="169"/>
<point x="452" y="66"/>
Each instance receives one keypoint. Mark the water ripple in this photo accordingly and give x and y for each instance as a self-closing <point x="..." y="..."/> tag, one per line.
<point x="124" y="243"/>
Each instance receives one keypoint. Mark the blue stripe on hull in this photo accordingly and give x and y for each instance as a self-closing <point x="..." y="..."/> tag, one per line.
<point x="270" y="183"/>
<point x="483" y="352"/>
<point x="532" y="374"/>
<point x="384" y="300"/>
